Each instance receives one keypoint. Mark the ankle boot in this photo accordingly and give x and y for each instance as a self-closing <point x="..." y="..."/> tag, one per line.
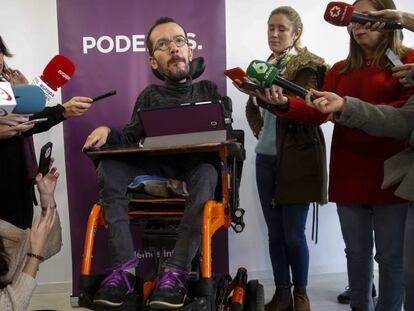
<point x="281" y="301"/>
<point x="301" y="300"/>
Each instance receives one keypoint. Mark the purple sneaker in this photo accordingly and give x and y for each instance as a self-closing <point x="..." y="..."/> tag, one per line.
<point x="171" y="290"/>
<point x="117" y="285"/>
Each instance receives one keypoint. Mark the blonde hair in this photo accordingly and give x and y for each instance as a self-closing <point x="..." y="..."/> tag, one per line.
<point x="392" y="40"/>
<point x="296" y="21"/>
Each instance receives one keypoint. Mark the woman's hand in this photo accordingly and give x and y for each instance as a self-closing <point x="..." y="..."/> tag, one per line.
<point x="274" y="96"/>
<point x="76" y="106"/>
<point x="7" y="131"/>
<point x="46" y="186"/>
<point x="14" y="119"/>
<point x="41" y="227"/>
<point x="326" y="102"/>
<point x="14" y="76"/>
<point x="401" y="72"/>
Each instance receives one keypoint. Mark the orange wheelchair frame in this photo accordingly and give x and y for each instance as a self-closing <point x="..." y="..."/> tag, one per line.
<point x="216" y="214"/>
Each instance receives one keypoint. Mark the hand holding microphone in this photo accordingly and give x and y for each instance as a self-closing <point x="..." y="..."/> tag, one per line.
<point x="56" y="73"/>
<point x="76" y="106"/>
<point x="265" y="75"/>
<point x="325" y="102"/>
<point x="404" y="18"/>
<point x="342" y="14"/>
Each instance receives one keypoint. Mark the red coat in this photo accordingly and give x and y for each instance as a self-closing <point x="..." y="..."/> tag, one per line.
<point x="357" y="159"/>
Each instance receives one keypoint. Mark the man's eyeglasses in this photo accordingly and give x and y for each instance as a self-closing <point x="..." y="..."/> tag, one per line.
<point x="164" y="44"/>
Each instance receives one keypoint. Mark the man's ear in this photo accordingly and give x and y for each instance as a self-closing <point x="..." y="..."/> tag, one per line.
<point x="153" y="62"/>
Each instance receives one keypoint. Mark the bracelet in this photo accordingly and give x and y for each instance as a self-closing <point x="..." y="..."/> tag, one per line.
<point x="38" y="257"/>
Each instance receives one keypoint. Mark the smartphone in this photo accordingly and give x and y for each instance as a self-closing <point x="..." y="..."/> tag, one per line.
<point x="35" y="121"/>
<point x="45" y="158"/>
<point x="239" y="74"/>
<point x="393" y="58"/>
<point x="251" y="86"/>
<point x="111" y="93"/>
<point x="236" y="74"/>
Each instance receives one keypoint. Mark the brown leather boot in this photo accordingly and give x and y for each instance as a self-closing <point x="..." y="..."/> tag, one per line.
<point x="281" y="301"/>
<point x="301" y="300"/>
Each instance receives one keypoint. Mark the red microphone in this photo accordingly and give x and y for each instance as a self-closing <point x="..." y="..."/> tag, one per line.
<point x="341" y="14"/>
<point x="56" y="73"/>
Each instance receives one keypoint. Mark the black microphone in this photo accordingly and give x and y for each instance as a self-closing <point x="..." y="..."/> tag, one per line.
<point x="265" y="74"/>
<point x="341" y="14"/>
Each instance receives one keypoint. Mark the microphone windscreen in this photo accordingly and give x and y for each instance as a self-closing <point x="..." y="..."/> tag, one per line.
<point x="262" y="73"/>
<point x="339" y="13"/>
<point x="58" y="71"/>
<point x="29" y="99"/>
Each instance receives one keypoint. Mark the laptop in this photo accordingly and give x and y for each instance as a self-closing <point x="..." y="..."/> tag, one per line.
<point x="187" y="124"/>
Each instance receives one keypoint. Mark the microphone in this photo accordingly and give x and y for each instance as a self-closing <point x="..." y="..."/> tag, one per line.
<point x="341" y="14"/>
<point x="265" y="74"/>
<point x="29" y="99"/>
<point x="56" y="73"/>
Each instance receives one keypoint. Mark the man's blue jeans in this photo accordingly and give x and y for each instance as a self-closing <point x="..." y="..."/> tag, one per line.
<point x="113" y="179"/>
<point x="286" y="229"/>
<point x="358" y="222"/>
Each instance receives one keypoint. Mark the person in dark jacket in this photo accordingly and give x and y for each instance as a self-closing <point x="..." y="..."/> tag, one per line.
<point x="290" y="164"/>
<point x="18" y="164"/>
<point x="170" y="54"/>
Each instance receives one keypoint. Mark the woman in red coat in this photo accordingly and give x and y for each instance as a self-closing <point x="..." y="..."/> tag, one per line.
<point x="357" y="159"/>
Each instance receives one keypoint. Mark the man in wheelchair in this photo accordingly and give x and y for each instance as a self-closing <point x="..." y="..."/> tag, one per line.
<point x="170" y="55"/>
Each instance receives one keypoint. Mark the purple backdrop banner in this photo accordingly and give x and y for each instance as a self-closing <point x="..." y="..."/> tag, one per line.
<point x="105" y="39"/>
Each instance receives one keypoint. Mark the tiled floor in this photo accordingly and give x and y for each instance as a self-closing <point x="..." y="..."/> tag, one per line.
<point x="322" y="291"/>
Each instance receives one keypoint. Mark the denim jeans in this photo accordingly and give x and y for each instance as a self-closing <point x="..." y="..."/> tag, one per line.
<point x="409" y="260"/>
<point x="286" y="229"/>
<point x="115" y="175"/>
<point x="358" y="222"/>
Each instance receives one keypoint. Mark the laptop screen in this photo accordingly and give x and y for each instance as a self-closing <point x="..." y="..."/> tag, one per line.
<point x="187" y="118"/>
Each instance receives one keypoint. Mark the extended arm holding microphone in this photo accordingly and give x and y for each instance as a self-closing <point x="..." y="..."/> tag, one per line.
<point x="404" y="18"/>
<point x="342" y="14"/>
<point x="266" y="75"/>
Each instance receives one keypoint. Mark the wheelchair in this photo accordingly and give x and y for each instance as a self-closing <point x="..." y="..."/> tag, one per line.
<point x="160" y="218"/>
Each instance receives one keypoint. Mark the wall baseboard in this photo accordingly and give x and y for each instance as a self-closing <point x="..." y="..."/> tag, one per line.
<point x="57" y="287"/>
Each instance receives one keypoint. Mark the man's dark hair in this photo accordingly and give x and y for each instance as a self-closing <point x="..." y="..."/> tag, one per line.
<point x="161" y="20"/>
<point x="3" y="48"/>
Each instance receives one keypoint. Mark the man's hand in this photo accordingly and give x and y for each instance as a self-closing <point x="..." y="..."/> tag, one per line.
<point x="14" y="76"/>
<point x="326" y="102"/>
<point x="77" y="106"/>
<point x="98" y="137"/>
<point x="401" y="72"/>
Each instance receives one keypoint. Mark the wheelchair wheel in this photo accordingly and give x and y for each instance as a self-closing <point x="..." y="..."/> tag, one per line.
<point x="254" y="299"/>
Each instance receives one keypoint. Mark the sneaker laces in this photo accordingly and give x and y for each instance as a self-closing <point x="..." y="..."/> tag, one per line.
<point x="171" y="278"/>
<point x="119" y="274"/>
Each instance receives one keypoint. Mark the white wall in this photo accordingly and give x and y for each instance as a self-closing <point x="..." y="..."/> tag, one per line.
<point x="247" y="40"/>
<point x="30" y="29"/>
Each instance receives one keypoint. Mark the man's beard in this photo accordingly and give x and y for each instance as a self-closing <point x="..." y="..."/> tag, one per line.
<point x="178" y="74"/>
